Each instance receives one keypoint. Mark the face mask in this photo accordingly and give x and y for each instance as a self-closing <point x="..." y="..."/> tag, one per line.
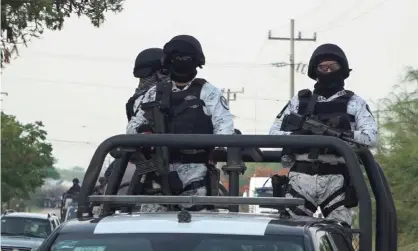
<point x="329" y="80"/>
<point x="183" y="69"/>
<point x="328" y="84"/>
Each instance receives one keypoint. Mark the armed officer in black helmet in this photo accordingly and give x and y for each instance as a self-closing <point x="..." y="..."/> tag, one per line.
<point x="148" y="68"/>
<point x="197" y="107"/>
<point x="319" y="175"/>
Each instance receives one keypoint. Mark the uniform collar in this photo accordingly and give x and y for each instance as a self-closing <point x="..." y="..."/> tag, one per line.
<point x="176" y="89"/>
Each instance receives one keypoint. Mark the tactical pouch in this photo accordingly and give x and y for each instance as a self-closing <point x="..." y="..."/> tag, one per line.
<point x="175" y="183"/>
<point x="213" y="176"/>
<point x="279" y="184"/>
<point x="351" y="199"/>
<point x="285" y="122"/>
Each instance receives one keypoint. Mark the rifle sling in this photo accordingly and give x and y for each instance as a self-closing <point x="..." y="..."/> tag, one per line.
<point x="314" y="154"/>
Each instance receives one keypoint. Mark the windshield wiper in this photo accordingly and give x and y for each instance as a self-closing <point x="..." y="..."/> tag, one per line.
<point x="32" y="235"/>
<point x="6" y="233"/>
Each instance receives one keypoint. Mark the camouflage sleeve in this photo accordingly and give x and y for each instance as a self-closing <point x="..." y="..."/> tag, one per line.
<point x="138" y="119"/>
<point x="137" y="102"/>
<point x="366" y="127"/>
<point x="292" y="106"/>
<point x="217" y="107"/>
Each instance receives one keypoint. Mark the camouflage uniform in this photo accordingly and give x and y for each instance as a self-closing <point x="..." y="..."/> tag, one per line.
<point x="317" y="188"/>
<point x="222" y="121"/>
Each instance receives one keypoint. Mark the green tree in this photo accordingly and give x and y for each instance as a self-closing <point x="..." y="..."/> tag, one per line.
<point x="22" y="20"/>
<point x="25" y="156"/>
<point x="71" y="173"/>
<point x="398" y="153"/>
<point x="52" y="173"/>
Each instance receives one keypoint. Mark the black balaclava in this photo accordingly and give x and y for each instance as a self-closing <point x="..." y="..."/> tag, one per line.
<point x="331" y="82"/>
<point x="182" y="68"/>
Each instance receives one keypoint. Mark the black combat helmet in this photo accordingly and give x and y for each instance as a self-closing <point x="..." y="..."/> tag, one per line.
<point x="148" y="62"/>
<point x="331" y="51"/>
<point x="186" y="45"/>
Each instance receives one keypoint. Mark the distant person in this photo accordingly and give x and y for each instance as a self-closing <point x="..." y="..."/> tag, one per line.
<point x="75" y="189"/>
<point x="99" y="189"/>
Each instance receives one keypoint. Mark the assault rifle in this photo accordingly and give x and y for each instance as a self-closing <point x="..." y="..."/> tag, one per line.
<point x="294" y="122"/>
<point x="160" y="161"/>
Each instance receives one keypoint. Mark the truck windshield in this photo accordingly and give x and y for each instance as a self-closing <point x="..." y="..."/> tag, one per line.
<point x="22" y="226"/>
<point x="176" y="242"/>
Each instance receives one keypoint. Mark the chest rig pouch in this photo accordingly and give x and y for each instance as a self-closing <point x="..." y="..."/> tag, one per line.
<point x="184" y="115"/>
<point x="332" y="113"/>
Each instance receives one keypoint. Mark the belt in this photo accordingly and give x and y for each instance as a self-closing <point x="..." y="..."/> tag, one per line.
<point x="195" y="185"/>
<point x="312" y="168"/>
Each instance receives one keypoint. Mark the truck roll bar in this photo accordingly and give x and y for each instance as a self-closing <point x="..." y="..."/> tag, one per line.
<point x="236" y="141"/>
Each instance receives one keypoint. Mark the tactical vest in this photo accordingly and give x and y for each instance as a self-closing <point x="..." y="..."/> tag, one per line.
<point x="184" y="115"/>
<point x="332" y="113"/>
<point x="130" y="105"/>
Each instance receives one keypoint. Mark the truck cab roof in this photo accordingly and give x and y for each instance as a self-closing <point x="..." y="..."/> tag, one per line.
<point x="201" y="222"/>
<point x="204" y="231"/>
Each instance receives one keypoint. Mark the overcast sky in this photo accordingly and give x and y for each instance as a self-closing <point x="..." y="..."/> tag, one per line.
<point x="77" y="80"/>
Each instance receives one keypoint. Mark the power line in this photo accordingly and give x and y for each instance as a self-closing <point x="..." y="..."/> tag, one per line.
<point x="130" y="61"/>
<point x="72" y="141"/>
<point x="51" y="81"/>
<point x="292" y="40"/>
<point x="361" y="14"/>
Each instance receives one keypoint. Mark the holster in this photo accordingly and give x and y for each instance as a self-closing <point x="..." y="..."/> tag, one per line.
<point x="279" y="184"/>
<point x="175" y="183"/>
<point x="213" y="176"/>
<point x="351" y="199"/>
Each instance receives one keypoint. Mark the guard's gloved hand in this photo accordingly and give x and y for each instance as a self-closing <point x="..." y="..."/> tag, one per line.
<point x="301" y="132"/>
<point x="347" y="134"/>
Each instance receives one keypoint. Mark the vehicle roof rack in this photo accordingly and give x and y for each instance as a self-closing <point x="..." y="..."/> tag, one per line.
<point x="196" y="200"/>
<point x="386" y="229"/>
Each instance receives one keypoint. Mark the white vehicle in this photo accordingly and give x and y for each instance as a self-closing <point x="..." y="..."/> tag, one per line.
<point x="259" y="185"/>
<point x="26" y="231"/>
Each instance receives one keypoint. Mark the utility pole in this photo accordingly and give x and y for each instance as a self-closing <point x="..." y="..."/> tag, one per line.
<point x="231" y="95"/>
<point x="292" y="40"/>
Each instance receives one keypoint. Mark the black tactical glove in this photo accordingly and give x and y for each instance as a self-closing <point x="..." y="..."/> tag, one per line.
<point x="301" y="132"/>
<point x="347" y="134"/>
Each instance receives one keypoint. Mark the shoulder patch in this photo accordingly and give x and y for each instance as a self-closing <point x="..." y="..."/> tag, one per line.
<point x="224" y="102"/>
<point x="305" y="93"/>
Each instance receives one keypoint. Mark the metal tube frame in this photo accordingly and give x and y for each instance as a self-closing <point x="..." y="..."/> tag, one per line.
<point x="193" y="140"/>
